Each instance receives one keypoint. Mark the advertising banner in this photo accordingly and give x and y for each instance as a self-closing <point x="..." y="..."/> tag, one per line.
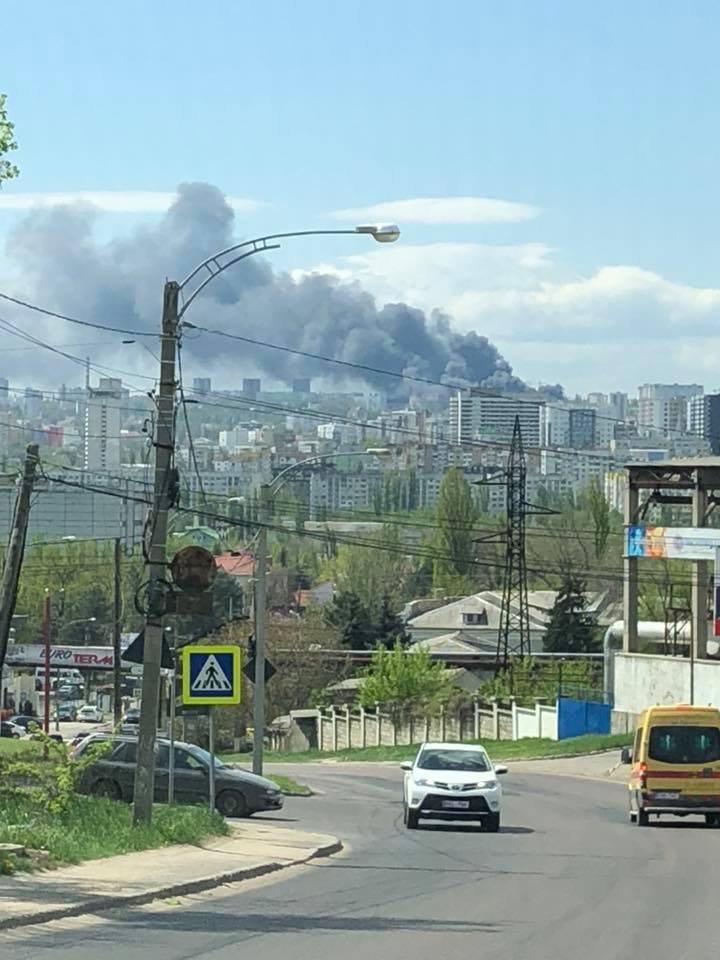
<point x="672" y="543"/>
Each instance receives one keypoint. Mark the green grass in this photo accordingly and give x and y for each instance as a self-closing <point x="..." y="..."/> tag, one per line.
<point x="528" y="749"/>
<point x="10" y="746"/>
<point x="291" y="788"/>
<point x="96" y="827"/>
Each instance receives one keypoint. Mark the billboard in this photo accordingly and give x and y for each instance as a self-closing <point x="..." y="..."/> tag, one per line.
<point x="672" y="543"/>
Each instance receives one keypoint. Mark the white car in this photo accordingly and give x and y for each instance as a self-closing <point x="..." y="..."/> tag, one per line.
<point x="90" y="714"/>
<point x="452" y="781"/>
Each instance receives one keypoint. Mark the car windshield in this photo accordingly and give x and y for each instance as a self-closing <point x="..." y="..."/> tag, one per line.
<point x="448" y="759"/>
<point x="690" y="744"/>
<point x="204" y="756"/>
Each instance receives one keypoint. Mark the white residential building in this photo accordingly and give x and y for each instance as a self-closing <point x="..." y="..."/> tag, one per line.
<point x="475" y="415"/>
<point x="103" y="415"/>
<point x="662" y="407"/>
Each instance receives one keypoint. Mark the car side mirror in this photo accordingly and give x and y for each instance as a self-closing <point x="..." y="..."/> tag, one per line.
<point x="626" y="755"/>
<point x="406" y="765"/>
<point x="500" y="769"/>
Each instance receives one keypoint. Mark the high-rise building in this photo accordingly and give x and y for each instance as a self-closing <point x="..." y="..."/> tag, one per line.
<point x="102" y="425"/>
<point x="251" y="387"/>
<point x="4" y="393"/>
<point x="704" y="419"/>
<point x="582" y="429"/>
<point x="301" y="385"/>
<point x="33" y="402"/>
<point x="662" y="407"/>
<point x="475" y="415"/>
<point x="202" y="385"/>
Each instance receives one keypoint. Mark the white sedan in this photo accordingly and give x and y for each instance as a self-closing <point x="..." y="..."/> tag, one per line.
<point x="452" y="781"/>
<point x="90" y="714"/>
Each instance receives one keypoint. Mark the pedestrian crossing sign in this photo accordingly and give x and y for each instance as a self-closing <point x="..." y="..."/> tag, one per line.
<point x="211" y="675"/>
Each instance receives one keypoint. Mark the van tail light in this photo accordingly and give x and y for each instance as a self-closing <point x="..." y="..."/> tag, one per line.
<point x="643" y="776"/>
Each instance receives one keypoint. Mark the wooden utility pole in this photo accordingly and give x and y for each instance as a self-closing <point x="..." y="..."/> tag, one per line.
<point x="117" y="614"/>
<point x="16" y="549"/>
<point x="164" y="444"/>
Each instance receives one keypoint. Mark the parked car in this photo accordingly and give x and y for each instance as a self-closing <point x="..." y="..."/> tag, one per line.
<point x="66" y="711"/>
<point x="90" y="714"/>
<point x="10" y="729"/>
<point x="452" y="781"/>
<point x="24" y="721"/>
<point x="238" y="793"/>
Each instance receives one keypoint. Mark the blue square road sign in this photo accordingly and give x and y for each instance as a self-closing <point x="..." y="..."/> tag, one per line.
<point x="211" y="675"/>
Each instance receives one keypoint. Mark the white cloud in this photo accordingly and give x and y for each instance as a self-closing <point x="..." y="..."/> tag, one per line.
<point x="110" y="201"/>
<point x="441" y="210"/>
<point x="615" y="328"/>
<point x="432" y="275"/>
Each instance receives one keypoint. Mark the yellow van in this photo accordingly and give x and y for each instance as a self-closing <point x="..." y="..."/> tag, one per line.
<point x="675" y="761"/>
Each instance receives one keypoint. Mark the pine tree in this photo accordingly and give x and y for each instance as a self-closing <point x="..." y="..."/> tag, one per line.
<point x="390" y="628"/>
<point x="571" y="629"/>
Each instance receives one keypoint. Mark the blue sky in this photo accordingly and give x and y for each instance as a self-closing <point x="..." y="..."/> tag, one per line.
<point x="598" y="120"/>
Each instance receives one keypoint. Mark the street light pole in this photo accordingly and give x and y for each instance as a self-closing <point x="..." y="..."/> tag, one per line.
<point x="164" y="444"/>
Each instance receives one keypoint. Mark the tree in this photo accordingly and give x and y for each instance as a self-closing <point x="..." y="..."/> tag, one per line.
<point x="600" y="513"/>
<point x="404" y="679"/>
<point x="351" y="617"/>
<point x="571" y="629"/>
<point x="455" y="516"/>
<point x="390" y="628"/>
<point x="7" y="143"/>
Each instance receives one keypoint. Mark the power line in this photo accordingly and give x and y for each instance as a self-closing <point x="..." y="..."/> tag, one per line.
<point x="82" y="323"/>
<point x="332" y="538"/>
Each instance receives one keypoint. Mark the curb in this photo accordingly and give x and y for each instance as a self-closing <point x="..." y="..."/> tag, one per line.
<point x="100" y="904"/>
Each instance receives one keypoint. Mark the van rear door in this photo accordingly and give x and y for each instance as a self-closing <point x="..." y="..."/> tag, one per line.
<point x="683" y="759"/>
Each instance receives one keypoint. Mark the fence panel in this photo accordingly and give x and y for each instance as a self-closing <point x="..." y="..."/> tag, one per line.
<point x="578" y="717"/>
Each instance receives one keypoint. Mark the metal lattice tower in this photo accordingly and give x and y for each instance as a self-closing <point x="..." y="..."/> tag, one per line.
<point x="515" y="612"/>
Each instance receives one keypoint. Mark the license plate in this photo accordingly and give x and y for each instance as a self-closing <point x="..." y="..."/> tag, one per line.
<point x="456" y="804"/>
<point x="667" y="795"/>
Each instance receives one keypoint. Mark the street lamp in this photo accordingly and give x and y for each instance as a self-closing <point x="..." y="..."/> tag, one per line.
<point x="177" y="298"/>
<point x="267" y="494"/>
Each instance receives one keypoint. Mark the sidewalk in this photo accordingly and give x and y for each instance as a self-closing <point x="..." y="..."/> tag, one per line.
<point x="596" y="766"/>
<point x="253" y="849"/>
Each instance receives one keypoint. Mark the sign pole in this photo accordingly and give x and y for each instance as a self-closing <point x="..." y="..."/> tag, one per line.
<point x="171" y="759"/>
<point x="211" y="744"/>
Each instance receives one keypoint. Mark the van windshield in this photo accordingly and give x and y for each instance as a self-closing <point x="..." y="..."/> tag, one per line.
<point x="684" y="744"/>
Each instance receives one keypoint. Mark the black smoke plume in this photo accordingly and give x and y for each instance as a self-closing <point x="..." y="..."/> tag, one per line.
<point x="63" y="266"/>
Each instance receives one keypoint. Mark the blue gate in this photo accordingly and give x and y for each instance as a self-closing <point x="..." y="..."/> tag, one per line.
<point x="577" y="717"/>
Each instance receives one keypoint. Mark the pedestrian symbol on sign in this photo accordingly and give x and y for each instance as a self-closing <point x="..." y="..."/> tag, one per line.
<point x="211" y="678"/>
<point x="210" y="675"/>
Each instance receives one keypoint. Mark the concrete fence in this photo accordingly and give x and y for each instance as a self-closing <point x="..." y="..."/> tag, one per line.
<point x="342" y="728"/>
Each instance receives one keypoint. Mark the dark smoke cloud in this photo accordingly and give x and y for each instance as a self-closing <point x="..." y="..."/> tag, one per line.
<point x="62" y="265"/>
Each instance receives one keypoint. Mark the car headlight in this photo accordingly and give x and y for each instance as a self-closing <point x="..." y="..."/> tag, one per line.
<point x="423" y="782"/>
<point x="488" y="785"/>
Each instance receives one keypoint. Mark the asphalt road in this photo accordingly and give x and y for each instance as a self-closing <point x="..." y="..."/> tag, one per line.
<point x="566" y="877"/>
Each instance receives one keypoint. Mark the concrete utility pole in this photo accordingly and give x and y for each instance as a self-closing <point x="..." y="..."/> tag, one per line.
<point x="164" y="444"/>
<point x="16" y="549"/>
<point x="260" y="631"/>
<point x="117" y="613"/>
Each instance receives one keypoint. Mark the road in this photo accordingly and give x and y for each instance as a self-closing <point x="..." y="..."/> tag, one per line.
<point x="567" y="877"/>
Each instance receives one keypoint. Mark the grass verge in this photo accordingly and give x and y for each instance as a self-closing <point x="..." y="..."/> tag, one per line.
<point x="95" y="827"/>
<point x="291" y="788"/>
<point x="9" y="747"/>
<point x="529" y="749"/>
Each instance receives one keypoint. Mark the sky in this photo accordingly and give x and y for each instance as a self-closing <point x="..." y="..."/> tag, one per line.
<point x="552" y="166"/>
